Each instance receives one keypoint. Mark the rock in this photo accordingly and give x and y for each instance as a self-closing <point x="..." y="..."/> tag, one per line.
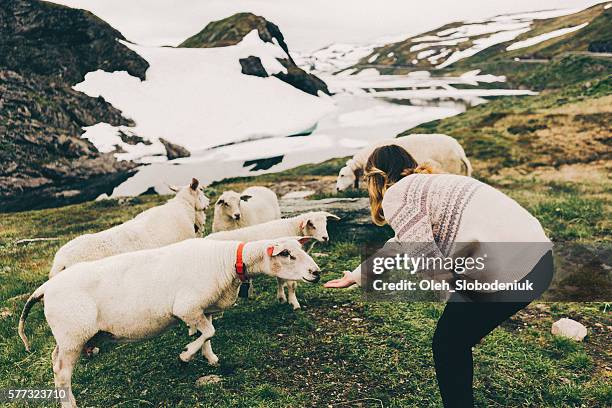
<point x="233" y="29"/>
<point x="44" y="162"/>
<point x="66" y="43"/>
<point x="174" y="151"/>
<point x="355" y="210"/>
<point x="208" y="379"/>
<point x="569" y="328"/>
<point x="298" y="194"/>
<point x="253" y="66"/>
<point x="354" y="213"/>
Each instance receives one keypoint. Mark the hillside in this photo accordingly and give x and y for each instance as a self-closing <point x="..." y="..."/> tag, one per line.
<point x="44" y="50"/>
<point x="233" y="29"/>
<point x="511" y="45"/>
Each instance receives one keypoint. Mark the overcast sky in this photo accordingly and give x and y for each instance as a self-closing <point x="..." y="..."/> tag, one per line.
<point x="306" y="24"/>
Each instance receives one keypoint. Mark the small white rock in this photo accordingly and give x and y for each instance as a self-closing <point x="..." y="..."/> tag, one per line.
<point x="208" y="379"/>
<point x="569" y="328"/>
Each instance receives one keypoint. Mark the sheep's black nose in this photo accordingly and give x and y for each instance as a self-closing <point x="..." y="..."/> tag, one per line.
<point x="236" y="217"/>
<point x="315" y="272"/>
<point x="325" y="239"/>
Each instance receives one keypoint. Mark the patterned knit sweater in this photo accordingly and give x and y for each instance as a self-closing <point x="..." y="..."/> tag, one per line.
<point x="428" y="208"/>
<point x="434" y="212"/>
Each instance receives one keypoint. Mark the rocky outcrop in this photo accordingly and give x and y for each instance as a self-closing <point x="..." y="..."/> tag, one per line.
<point x="48" y="39"/>
<point x="231" y="31"/>
<point x="41" y="150"/>
<point x="174" y="151"/>
<point x="44" y="50"/>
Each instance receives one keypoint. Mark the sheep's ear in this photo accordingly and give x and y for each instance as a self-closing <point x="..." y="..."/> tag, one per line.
<point x="174" y="189"/>
<point x="245" y="197"/>
<point x="330" y="215"/>
<point x="274" y="250"/>
<point x="310" y="223"/>
<point x="194" y="184"/>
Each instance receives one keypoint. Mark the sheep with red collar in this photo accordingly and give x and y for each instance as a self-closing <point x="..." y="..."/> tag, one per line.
<point x="312" y="224"/>
<point x="182" y="217"/>
<point x="138" y="295"/>
<point x="441" y="152"/>
<point x="254" y="205"/>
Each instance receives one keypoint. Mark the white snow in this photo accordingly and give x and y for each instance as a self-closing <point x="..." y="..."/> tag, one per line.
<point x="106" y="139"/>
<point x="425" y="54"/>
<point x="199" y="98"/>
<point x="543" y="37"/>
<point x="373" y="58"/>
<point x="607" y="6"/>
<point x="483" y="43"/>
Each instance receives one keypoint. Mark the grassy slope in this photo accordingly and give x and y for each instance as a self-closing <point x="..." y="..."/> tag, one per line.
<point x="496" y="60"/>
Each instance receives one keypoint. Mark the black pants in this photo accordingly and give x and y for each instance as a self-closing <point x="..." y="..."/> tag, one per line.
<point x="467" y="318"/>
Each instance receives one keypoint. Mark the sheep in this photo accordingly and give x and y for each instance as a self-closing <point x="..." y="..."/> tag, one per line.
<point x="138" y="295"/>
<point x="253" y="206"/>
<point x="439" y="151"/>
<point x="180" y="218"/>
<point x="312" y="224"/>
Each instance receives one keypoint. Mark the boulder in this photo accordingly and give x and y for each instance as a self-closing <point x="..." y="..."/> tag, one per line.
<point x="569" y="328"/>
<point x="174" y="151"/>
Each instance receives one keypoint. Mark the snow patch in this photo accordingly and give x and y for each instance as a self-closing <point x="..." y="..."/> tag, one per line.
<point x="543" y="37"/>
<point x="198" y="97"/>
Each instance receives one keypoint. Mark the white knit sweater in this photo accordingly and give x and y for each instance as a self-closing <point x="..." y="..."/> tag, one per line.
<point x="436" y="212"/>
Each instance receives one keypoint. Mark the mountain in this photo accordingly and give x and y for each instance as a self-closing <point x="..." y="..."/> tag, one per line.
<point x="233" y="29"/>
<point x="512" y="45"/>
<point x="44" y="50"/>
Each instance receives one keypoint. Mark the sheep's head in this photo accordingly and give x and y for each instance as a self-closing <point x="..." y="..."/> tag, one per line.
<point x="228" y="205"/>
<point x="314" y="224"/>
<point x="346" y="178"/>
<point x="285" y="259"/>
<point x="194" y="192"/>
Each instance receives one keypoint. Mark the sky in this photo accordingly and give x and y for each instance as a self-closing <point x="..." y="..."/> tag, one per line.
<point x="306" y="24"/>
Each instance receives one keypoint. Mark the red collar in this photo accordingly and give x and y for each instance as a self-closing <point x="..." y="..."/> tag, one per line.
<point x="240" y="266"/>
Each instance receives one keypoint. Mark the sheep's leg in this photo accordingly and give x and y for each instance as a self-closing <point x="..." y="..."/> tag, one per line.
<point x="64" y="360"/>
<point x="205" y="327"/>
<point x="280" y="290"/>
<point x="207" y="350"/>
<point x="291" y="287"/>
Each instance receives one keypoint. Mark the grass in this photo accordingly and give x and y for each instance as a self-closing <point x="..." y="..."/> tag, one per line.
<point x="338" y="348"/>
<point x="549" y="152"/>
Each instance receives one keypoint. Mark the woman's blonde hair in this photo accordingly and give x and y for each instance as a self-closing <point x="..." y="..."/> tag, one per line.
<point x="385" y="167"/>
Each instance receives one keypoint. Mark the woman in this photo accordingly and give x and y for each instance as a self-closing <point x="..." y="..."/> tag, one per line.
<point x="442" y="211"/>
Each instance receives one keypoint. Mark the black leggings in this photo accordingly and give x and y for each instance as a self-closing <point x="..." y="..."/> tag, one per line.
<point x="467" y="318"/>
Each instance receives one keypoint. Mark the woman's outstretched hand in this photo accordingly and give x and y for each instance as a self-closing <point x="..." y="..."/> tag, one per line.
<point x="343" y="282"/>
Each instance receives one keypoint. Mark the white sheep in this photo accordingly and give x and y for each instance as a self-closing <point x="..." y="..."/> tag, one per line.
<point x="137" y="295"/>
<point x="311" y="224"/>
<point x="253" y="206"/>
<point x="182" y="217"/>
<point x="439" y="151"/>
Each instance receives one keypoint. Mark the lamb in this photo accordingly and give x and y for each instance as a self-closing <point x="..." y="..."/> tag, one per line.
<point x="182" y="217"/>
<point x="441" y="152"/>
<point x="137" y="295"/>
<point x="313" y="224"/>
<point x="253" y="206"/>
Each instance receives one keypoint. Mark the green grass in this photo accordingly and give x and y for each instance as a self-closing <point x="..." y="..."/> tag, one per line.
<point x="338" y="348"/>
